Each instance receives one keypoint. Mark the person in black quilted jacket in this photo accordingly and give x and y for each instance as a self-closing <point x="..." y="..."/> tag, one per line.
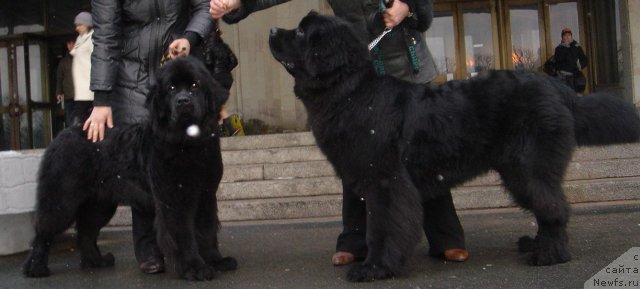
<point x="130" y="39"/>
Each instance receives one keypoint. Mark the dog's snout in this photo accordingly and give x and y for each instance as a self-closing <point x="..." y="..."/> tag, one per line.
<point x="183" y="100"/>
<point x="274" y="32"/>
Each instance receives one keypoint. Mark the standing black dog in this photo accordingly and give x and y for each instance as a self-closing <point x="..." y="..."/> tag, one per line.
<point x="156" y="163"/>
<point x="399" y="143"/>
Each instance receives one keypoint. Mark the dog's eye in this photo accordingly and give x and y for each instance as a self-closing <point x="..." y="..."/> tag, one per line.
<point x="299" y="32"/>
<point x="195" y="86"/>
<point x="172" y="88"/>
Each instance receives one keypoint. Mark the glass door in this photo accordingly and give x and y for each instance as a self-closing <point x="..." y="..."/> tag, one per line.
<point x="480" y="41"/>
<point x="462" y="39"/>
<point x="441" y="40"/>
<point x="36" y="128"/>
<point x="24" y="104"/>
<point x="525" y="35"/>
<point x="9" y="107"/>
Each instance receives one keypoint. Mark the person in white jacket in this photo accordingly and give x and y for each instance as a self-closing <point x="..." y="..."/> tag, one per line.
<point x="81" y="67"/>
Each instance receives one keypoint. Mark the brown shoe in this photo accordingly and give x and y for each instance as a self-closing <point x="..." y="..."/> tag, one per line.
<point x="152" y="265"/>
<point x="342" y="258"/>
<point x="456" y="255"/>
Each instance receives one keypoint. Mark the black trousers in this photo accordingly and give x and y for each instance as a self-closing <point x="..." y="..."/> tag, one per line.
<point x="69" y="105"/>
<point x="441" y="225"/>
<point x="144" y="233"/>
<point x="81" y="111"/>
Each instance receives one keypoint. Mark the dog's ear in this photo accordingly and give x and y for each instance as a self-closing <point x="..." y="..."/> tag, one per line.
<point x="218" y="96"/>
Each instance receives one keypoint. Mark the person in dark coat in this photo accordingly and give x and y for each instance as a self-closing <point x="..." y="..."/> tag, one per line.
<point x="570" y="60"/>
<point x="64" y="83"/>
<point x="130" y="39"/>
<point x="392" y="56"/>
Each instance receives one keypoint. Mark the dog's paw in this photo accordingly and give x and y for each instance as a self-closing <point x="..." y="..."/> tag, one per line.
<point x="106" y="260"/>
<point x="544" y="251"/>
<point x="526" y="244"/>
<point x="225" y="264"/>
<point x="32" y="268"/>
<point x="199" y="272"/>
<point x="367" y="273"/>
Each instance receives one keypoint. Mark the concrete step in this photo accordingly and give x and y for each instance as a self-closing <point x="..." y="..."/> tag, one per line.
<point x="275" y="141"/>
<point x="578" y="170"/>
<point x="267" y="141"/>
<point x="285" y="176"/>
<point x="317" y="178"/>
<point x="580" y="191"/>
<point x="280" y="188"/>
<point x="272" y="155"/>
<point x="282" y="171"/>
<point x="300" y="147"/>
<point x="470" y="197"/>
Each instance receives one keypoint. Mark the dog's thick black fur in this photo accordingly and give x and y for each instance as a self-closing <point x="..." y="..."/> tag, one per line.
<point x="155" y="163"/>
<point x="399" y="143"/>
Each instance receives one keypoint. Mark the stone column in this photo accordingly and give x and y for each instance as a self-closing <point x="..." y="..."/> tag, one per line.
<point x="631" y="79"/>
<point x="18" y="172"/>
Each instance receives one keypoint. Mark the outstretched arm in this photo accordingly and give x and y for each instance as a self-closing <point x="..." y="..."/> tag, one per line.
<point x="236" y="10"/>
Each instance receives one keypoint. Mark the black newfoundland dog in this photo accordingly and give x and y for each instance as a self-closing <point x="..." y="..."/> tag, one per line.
<point x="156" y="163"/>
<point x="400" y="142"/>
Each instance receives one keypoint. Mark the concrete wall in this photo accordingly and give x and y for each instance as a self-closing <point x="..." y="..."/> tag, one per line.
<point x="17" y="199"/>
<point x="262" y="88"/>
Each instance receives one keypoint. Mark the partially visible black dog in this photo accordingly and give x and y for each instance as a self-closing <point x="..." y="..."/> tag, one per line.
<point x="156" y="163"/>
<point x="399" y="143"/>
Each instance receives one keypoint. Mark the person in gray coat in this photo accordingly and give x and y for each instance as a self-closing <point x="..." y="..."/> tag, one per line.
<point x="403" y="53"/>
<point x="130" y="39"/>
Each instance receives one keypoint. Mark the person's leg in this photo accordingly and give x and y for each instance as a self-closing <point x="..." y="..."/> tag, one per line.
<point x="146" y="248"/>
<point x="351" y="244"/>
<point x="68" y="112"/>
<point x="443" y="229"/>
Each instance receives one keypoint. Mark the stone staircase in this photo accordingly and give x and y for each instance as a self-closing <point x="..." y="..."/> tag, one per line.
<point x="285" y="176"/>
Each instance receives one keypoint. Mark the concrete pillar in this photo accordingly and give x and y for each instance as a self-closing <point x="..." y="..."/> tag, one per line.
<point x="18" y="171"/>
<point x="632" y="81"/>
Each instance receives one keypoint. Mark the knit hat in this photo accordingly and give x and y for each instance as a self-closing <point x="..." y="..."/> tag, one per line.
<point x="83" y="18"/>
<point x="565" y="31"/>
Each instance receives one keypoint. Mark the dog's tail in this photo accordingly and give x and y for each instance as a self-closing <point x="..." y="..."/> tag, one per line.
<point x="602" y="119"/>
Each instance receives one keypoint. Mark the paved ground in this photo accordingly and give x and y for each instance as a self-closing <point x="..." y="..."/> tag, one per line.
<point x="297" y="255"/>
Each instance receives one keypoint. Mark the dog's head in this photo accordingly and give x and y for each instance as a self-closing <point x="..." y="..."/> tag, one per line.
<point x="321" y="48"/>
<point x="185" y="94"/>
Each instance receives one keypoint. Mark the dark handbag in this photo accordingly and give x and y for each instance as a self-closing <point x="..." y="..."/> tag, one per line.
<point x="549" y="66"/>
<point x="579" y="81"/>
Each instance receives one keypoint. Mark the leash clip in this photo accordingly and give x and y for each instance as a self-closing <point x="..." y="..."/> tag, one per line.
<point x="377" y="40"/>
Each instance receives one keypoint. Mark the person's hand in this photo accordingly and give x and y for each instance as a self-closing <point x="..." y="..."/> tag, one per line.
<point x="219" y="8"/>
<point x="59" y="98"/>
<point x="395" y="14"/>
<point x="179" y="47"/>
<point x="94" y="125"/>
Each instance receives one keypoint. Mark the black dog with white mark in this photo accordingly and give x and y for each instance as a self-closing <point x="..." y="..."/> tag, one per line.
<point x="154" y="163"/>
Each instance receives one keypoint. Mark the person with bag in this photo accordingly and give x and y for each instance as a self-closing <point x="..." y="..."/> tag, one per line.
<point x="402" y="53"/>
<point x="570" y="60"/>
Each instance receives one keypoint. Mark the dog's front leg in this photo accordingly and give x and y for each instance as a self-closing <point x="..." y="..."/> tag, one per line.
<point x="207" y="226"/>
<point x="394" y="217"/>
<point x="177" y="239"/>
